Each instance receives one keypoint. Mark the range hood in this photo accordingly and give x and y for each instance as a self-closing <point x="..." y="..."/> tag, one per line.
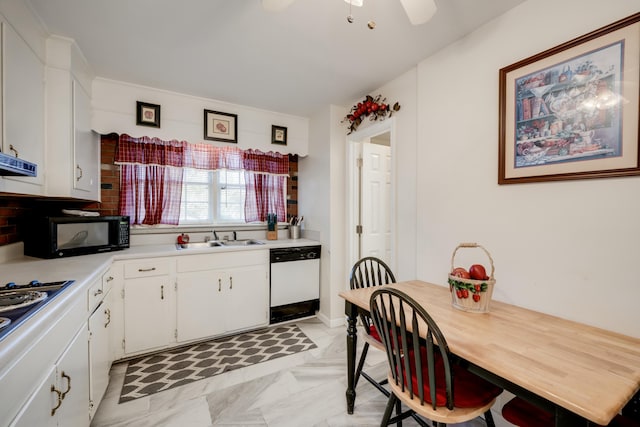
<point x="13" y="166"/>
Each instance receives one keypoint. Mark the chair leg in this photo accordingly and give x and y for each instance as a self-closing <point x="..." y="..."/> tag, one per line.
<point x="376" y="384"/>
<point x="389" y="409"/>
<point x="488" y="418"/>
<point x="399" y="412"/>
<point x="365" y="349"/>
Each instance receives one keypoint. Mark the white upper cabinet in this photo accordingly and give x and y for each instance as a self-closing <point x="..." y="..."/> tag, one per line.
<point x="73" y="149"/>
<point x="45" y="113"/>
<point x="23" y="109"/>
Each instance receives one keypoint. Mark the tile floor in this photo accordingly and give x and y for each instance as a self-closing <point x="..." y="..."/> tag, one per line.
<point x="305" y="389"/>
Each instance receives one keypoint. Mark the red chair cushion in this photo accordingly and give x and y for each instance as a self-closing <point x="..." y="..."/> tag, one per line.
<point x="374" y="333"/>
<point x="524" y="414"/>
<point x="470" y="391"/>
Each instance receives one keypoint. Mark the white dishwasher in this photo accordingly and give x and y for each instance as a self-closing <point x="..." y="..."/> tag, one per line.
<point x="295" y="282"/>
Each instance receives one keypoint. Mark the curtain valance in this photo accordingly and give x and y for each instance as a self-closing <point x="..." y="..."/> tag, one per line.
<point x="182" y="154"/>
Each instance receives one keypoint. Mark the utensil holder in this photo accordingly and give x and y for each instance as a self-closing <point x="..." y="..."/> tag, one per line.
<point x="294" y="231"/>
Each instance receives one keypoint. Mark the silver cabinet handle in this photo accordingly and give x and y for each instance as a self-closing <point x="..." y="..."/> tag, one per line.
<point x="144" y="270"/>
<point x="161" y="291"/>
<point x="98" y="292"/>
<point x="59" y="397"/>
<point x="230" y="282"/>
<point x="110" y="278"/>
<point x="219" y="284"/>
<point x="107" y="312"/>
<point x="78" y="176"/>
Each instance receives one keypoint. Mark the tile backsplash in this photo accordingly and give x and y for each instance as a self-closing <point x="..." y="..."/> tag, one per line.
<point x="11" y="209"/>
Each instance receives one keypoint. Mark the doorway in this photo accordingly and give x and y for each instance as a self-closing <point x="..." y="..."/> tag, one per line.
<point x="371" y="193"/>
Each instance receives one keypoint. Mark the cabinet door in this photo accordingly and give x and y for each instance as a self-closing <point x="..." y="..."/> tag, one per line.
<point x="73" y="381"/>
<point x="200" y="304"/>
<point x="24" y="95"/>
<point x="247" y="302"/>
<point x="37" y="412"/>
<point x="86" y="145"/>
<point x="99" y="353"/>
<point x="147" y="313"/>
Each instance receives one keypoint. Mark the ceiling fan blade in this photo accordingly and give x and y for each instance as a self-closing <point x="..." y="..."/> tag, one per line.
<point x="419" y="11"/>
<point x="274" y="5"/>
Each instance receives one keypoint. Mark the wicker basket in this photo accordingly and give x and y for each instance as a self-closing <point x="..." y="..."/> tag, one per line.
<point x="469" y="294"/>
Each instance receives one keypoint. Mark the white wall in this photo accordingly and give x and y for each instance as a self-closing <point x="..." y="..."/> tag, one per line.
<point x="565" y="248"/>
<point x="321" y="197"/>
<point x="404" y="90"/>
<point x="182" y="117"/>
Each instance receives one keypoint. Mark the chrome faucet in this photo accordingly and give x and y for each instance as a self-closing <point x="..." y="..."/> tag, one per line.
<point x="215" y="235"/>
<point x="235" y="235"/>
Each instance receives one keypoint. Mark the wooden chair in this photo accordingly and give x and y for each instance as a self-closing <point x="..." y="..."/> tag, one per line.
<point x="521" y="413"/>
<point x="422" y="374"/>
<point x="367" y="272"/>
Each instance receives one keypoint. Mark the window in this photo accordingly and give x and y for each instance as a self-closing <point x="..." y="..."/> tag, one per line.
<point x="231" y="196"/>
<point x="174" y="182"/>
<point x="212" y="197"/>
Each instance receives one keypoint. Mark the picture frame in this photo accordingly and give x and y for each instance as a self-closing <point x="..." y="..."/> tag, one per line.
<point x="147" y="114"/>
<point x="278" y="135"/>
<point x="571" y="112"/>
<point x="219" y="126"/>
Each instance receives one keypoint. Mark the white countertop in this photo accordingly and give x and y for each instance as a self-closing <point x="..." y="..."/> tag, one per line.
<point x="85" y="269"/>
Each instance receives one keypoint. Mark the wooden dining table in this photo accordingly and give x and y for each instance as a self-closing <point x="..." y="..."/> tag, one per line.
<point x="581" y="373"/>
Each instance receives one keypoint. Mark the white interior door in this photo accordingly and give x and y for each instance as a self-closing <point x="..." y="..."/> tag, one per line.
<point x="375" y="205"/>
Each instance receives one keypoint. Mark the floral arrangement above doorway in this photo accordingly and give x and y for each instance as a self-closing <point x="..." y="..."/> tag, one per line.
<point x="374" y="108"/>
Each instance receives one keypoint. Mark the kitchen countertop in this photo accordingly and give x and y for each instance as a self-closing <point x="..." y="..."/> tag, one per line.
<point x="85" y="270"/>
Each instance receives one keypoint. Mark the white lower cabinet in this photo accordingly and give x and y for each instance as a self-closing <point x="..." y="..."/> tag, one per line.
<point x="200" y="304"/>
<point x="221" y="293"/>
<point x="38" y="411"/>
<point x="62" y="399"/>
<point x="248" y="302"/>
<point x="149" y="305"/>
<point x="99" y="353"/>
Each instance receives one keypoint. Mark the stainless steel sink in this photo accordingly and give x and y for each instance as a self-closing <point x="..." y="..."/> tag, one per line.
<point x="243" y="242"/>
<point x="198" y="245"/>
<point x="218" y="243"/>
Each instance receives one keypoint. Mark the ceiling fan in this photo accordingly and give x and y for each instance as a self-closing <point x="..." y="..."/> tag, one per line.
<point x="418" y="11"/>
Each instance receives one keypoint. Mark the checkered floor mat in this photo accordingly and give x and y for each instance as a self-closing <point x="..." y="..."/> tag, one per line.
<point x="176" y="367"/>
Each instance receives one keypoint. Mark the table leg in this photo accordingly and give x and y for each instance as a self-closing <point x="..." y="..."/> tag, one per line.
<point x="352" y="316"/>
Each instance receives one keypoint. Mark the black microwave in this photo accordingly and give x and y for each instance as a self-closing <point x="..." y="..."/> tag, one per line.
<point x="64" y="236"/>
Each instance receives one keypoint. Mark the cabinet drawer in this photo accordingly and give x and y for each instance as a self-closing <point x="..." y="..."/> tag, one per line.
<point x="107" y="281"/>
<point x="95" y="295"/>
<point x="146" y="268"/>
<point x="203" y="262"/>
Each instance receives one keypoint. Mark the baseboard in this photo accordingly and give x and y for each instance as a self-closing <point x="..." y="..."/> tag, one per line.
<point x="331" y="323"/>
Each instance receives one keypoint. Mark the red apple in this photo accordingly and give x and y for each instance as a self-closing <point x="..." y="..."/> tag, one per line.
<point x="477" y="272"/>
<point x="460" y="272"/>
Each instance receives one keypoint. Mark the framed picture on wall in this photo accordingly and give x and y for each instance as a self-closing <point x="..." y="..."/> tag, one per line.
<point x="147" y="114"/>
<point x="278" y="135"/>
<point x="220" y="126"/>
<point x="571" y="112"/>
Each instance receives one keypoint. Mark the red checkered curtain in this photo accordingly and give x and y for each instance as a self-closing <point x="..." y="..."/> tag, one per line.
<point x="266" y="184"/>
<point x="209" y="157"/>
<point x="150" y="179"/>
